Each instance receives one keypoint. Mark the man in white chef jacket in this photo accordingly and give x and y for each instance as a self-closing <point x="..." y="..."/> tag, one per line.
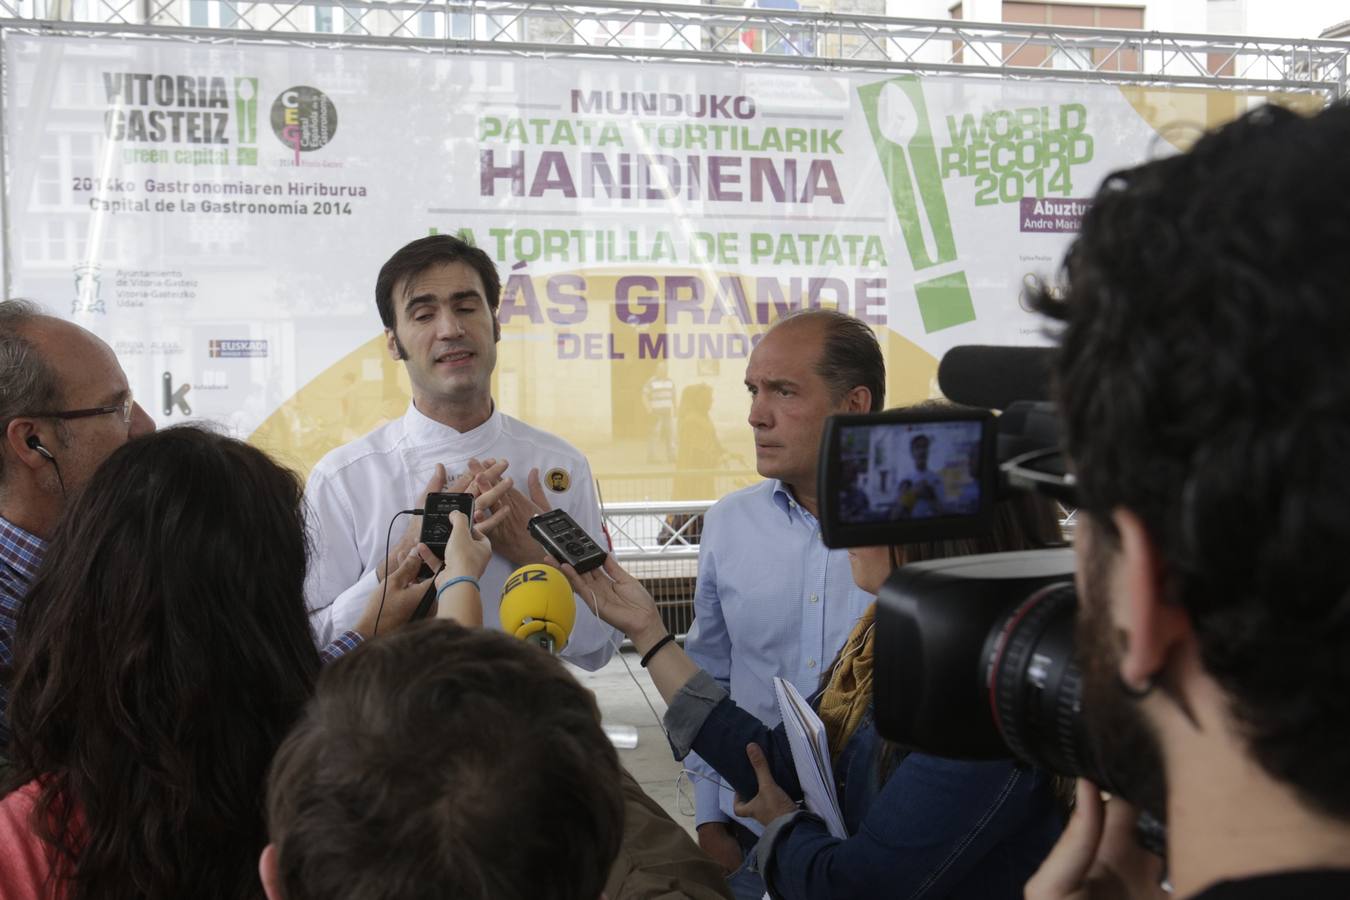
<point x="438" y="299"/>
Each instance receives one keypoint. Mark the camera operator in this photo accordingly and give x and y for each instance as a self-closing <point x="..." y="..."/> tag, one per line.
<point x="918" y="824"/>
<point x="1206" y="403"/>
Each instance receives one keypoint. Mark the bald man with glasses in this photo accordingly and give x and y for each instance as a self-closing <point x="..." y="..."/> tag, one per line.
<point x="65" y="406"/>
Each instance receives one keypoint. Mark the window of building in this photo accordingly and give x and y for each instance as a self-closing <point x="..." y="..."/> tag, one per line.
<point x="1079" y="15"/>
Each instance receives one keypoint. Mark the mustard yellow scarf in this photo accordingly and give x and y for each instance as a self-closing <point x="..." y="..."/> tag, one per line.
<point x="845" y="698"/>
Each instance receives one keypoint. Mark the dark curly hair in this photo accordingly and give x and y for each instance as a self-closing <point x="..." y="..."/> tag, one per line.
<point x="1203" y="383"/>
<point x="161" y="656"/>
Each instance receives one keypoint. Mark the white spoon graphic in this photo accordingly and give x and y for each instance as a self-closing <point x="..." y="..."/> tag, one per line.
<point x="899" y="123"/>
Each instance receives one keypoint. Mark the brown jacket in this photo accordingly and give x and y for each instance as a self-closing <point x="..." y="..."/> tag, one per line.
<point x="658" y="859"/>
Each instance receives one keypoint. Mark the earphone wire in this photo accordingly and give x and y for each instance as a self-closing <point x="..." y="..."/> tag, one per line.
<point x="384" y="584"/>
<point x="685" y="773"/>
<point x="57" y="467"/>
<point x="46" y="454"/>
<point x="857" y="648"/>
<point x="595" y="605"/>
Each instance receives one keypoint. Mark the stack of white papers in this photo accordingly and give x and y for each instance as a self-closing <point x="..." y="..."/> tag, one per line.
<point x="811" y="756"/>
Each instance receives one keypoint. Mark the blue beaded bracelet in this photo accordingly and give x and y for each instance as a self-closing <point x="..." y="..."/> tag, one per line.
<point x="458" y="580"/>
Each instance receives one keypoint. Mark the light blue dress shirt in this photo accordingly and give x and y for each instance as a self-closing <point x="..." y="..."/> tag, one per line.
<point x="771" y="600"/>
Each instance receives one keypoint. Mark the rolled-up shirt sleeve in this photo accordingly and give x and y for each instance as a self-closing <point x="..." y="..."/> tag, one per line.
<point x="690" y="708"/>
<point x="340" y="646"/>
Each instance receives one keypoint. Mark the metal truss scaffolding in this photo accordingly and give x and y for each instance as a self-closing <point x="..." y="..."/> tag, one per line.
<point x="718" y="33"/>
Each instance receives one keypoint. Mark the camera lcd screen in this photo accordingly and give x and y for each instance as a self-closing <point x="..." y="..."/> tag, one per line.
<point x="909" y="471"/>
<point x="905" y="476"/>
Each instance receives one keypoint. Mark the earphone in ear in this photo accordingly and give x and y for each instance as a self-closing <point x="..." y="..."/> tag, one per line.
<point x="35" y="443"/>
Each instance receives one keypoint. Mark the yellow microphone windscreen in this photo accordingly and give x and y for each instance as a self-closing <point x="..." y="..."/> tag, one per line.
<point x="538" y="606"/>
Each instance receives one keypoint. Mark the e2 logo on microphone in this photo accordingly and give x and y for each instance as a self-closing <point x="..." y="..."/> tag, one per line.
<point x="522" y="577"/>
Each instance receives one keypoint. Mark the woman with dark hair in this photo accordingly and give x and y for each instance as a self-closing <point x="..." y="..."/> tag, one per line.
<point x="918" y="825"/>
<point x="162" y="654"/>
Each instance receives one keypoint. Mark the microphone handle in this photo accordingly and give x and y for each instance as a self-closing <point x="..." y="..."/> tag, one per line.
<point x="544" y="641"/>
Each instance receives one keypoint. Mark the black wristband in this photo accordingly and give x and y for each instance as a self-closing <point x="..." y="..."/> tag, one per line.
<point x="656" y="648"/>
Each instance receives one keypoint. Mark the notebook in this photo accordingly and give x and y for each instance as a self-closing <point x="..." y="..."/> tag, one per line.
<point x="811" y="755"/>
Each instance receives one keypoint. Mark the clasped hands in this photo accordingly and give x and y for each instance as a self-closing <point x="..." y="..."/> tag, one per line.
<point x="500" y="511"/>
<point x="500" y="516"/>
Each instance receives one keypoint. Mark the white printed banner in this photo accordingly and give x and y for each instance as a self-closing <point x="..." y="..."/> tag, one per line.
<point x="218" y="215"/>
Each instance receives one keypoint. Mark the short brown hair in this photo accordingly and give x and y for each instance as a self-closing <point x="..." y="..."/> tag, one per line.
<point x="443" y="762"/>
<point x="417" y="257"/>
<point x="850" y="354"/>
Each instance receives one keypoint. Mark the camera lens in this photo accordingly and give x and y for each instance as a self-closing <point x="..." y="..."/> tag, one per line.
<point x="1035" y="687"/>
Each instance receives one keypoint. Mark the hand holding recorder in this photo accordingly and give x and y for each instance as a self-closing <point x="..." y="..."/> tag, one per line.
<point x="562" y="539"/>
<point x="467" y="552"/>
<point x="618" y="599"/>
<point x="458" y="555"/>
<point x="440" y="483"/>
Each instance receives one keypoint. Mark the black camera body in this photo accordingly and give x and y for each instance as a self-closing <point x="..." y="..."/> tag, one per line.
<point x="975" y="659"/>
<point x="974" y="655"/>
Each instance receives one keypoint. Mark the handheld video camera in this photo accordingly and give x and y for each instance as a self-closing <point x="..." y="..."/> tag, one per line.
<point x="974" y="655"/>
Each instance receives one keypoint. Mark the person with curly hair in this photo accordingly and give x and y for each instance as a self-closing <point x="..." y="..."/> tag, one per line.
<point x="1202" y="382"/>
<point x="162" y="654"/>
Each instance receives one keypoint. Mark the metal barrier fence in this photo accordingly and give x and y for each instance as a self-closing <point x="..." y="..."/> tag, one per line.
<point x="659" y="543"/>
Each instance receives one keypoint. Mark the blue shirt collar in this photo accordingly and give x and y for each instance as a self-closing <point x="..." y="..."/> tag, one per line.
<point x="784" y="499"/>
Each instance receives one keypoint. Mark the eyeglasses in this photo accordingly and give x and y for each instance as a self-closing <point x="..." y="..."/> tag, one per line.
<point x="123" y="409"/>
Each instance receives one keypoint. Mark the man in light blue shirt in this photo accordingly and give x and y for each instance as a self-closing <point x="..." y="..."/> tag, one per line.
<point x="772" y="600"/>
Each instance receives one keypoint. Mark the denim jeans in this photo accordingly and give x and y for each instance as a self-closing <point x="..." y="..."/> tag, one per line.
<point x="746" y="883"/>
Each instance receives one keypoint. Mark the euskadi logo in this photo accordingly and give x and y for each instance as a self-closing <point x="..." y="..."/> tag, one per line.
<point x="220" y="348"/>
<point x="304" y="119"/>
<point x="1021" y="155"/>
<point x="186" y="119"/>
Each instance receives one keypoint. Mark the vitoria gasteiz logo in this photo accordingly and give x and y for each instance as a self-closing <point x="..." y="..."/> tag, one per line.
<point x="184" y="119"/>
<point x="304" y="119"/>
